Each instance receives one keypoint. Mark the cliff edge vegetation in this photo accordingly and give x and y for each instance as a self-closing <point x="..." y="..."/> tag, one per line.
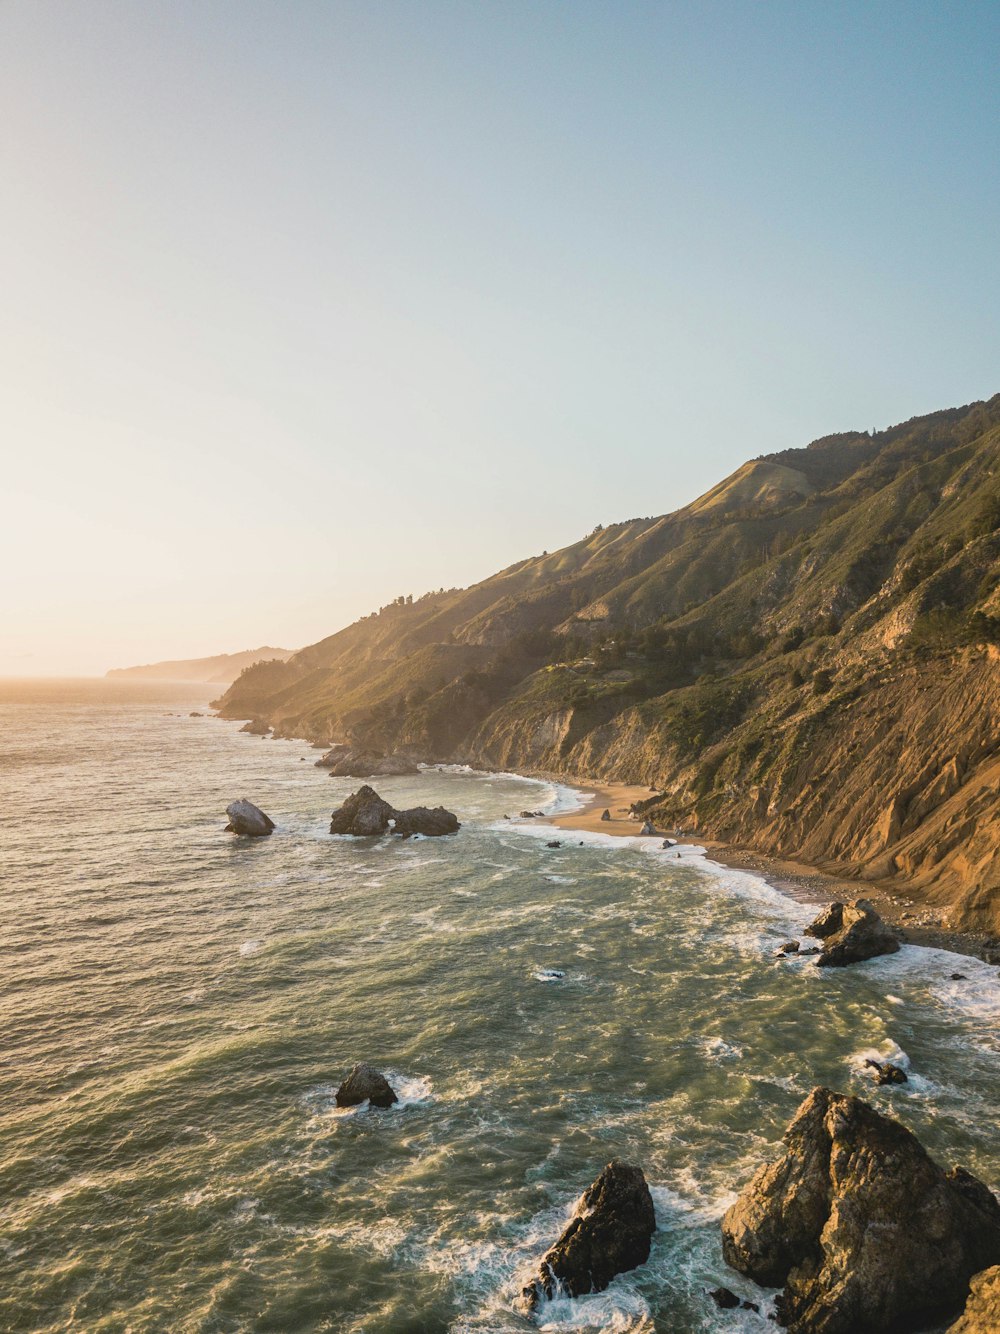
<point x="805" y="660"/>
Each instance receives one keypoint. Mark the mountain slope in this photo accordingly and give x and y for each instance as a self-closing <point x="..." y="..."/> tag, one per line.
<point x="804" y="659"/>
<point x="221" y="670"/>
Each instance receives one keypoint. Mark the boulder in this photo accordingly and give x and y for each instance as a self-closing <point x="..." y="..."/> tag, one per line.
<point x="430" y="821"/>
<point x="648" y="827"/>
<point x="724" y="1299"/>
<point x="365" y="1084"/>
<point x="363" y="814"/>
<point x="256" y="727"/>
<point x="609" y="1232"/>
<point x="851" y="934"/>
<point x="887" y="1073"/>
<point x="247" y="820"/>
<point x="864" y="1230"/>
<point x="982" y="1310"/>
<point x="605" y="814"/>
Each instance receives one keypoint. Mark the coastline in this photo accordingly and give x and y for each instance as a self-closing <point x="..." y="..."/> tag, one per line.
<point x="807" y="884"/>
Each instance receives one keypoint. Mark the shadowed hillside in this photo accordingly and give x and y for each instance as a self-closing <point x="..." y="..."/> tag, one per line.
<point x="805" y="659"/>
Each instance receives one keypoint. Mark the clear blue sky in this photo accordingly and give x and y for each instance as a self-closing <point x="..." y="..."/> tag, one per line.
<point x="307" y="305"/>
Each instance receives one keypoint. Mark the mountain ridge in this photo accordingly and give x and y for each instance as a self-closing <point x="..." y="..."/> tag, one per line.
<point x="806" y="660"/>
<point x="222" y="669"/>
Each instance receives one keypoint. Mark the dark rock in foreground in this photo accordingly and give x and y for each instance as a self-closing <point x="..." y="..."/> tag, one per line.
<point x="365" y="814"/>
<point x="982" y="1310"/>
<point x="851" y="934"/>
<point x="247" y="820"/>
<point x="609" y="1233"/>
<point x="864" y="1230"/>
<point x="365" y="1084"/>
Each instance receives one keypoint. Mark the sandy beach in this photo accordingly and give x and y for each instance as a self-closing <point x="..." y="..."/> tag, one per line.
<point x="897" y="904"/>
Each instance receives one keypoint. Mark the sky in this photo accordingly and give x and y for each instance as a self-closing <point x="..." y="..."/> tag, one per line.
<point x="307" y="305"/>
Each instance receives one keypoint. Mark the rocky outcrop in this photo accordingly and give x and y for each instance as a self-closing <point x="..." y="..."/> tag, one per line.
<point x="247" y="820"/>
<point x="345" y="762"/>
<point x="982" y="1310"/>
<point x="609" y="1233"/>
<point x="851" y="934"/>
<point x="864" y="1230"/>
<point x="365" y="1084"/>
<point x="256" y="727"/>
<point x="426" y="820"/>
<point x="333" y="756"/>
<point x="364" y="814"/>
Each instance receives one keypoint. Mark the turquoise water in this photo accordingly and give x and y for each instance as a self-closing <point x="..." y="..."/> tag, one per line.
<point x="179" y="1007"/>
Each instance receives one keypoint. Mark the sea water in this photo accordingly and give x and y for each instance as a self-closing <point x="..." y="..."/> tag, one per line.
<point x="179" y="1007"/>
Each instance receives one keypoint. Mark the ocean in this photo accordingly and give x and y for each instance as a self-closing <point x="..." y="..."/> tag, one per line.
<point x="179" y="1007"/>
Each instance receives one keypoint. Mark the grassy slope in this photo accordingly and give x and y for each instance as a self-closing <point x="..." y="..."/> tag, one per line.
<point x="804" y="660"/>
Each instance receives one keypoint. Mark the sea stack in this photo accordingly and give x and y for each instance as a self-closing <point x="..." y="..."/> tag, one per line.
<point x="247" y="820"/>
<point x="609" y="1233"/>
<point x="862" y="1228"/>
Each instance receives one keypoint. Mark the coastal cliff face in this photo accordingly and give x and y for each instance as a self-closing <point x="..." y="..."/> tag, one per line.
<point x="805" y="660"/>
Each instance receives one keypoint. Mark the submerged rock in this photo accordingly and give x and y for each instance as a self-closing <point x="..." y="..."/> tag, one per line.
<point x="982" y="1310"/>
<point x="851" y="934"/>
<point x="887" y="1073"/>
<point x="365" y="814"/>
<point x="365" y="1084"/>
<point x="609" y="1232"/>
<point x="247" y="820"/>
<point x="864" y="1230"/>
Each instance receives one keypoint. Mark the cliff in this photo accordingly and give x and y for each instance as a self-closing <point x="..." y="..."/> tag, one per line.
<point x="804" y="660"/>
<point x="221" y="670"/>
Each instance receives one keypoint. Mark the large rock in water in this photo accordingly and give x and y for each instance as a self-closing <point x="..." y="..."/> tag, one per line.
<point x="865" y="1231"/>
<point x="982" y="1310"/>
<point x="363" y="814"/>
<point x="247" y="819"/>
<point x="609" y="1232"/>
<point x="345" y="762"/>
<point x="425" y="820"/>
<point x="851" y="934"/>
<point x="256" y="727"/>
<point x="365" y="1084"/>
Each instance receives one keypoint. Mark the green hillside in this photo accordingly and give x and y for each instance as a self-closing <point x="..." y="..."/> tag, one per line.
<point x="804" y="659"/>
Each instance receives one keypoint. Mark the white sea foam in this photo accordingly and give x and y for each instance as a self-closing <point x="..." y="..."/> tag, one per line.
<point x="250" y="947"/>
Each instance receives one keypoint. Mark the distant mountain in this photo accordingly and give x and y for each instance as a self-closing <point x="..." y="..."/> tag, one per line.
<point x="805" y="660"/>
<point x="218" y="671"/>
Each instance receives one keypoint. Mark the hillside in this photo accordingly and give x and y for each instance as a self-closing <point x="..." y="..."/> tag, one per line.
<point x="804" y="660"/>
<point x="221" y="670"/>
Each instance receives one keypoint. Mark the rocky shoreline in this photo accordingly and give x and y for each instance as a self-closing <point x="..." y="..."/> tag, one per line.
<point x="899" y="905"/>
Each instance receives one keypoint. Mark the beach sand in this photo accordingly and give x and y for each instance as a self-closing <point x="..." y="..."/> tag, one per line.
<point x="896" y="903"/>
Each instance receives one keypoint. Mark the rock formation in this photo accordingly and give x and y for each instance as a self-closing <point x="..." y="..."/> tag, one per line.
<point x="247" y="820"/>
<point x="427" y="820"/>
<point x="886" y="1072"/>
<point x="605" y="814"/>
<point x="864" y="1230"/>
<point x="982" y="1310"/>
<point x="345" y="762"/>
<point x="851" y="934"/>
<point x="365" y="1084"/>
<point x="365" y="814"/>
<point x="609" y="1232"/>
<point x="256" y="727"/>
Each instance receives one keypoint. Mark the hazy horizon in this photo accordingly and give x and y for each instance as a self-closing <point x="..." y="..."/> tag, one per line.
<point x="309" y="308"/>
